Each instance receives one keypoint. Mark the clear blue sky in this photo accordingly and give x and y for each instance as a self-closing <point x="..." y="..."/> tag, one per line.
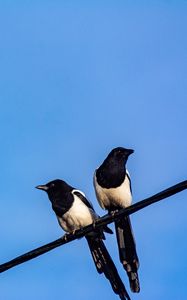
<point x="78" y="78"/>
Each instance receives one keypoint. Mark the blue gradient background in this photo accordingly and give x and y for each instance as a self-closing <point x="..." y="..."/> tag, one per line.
<point x="78" y="78"/>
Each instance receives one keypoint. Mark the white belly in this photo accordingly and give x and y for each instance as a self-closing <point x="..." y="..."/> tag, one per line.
<point x="78" y="216"/>
<point x="120" y="196"/>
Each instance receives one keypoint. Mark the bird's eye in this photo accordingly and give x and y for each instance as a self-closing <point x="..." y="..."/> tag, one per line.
<point x="52" y="184"/>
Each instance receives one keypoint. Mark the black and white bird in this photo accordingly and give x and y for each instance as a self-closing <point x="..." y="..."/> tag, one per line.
<point x="73" y="212"/>
<point x="113" y="190"/>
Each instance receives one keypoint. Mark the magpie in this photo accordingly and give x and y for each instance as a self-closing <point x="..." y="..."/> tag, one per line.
<point x="112" y="185"/>
<point x="74" y="211"/>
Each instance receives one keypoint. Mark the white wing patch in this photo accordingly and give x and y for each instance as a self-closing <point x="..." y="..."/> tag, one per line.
<point x="128" y="173"/>
<point x="78" y="192"/>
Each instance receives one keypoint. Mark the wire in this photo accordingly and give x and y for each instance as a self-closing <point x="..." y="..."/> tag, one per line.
<point x="107" y="219"/>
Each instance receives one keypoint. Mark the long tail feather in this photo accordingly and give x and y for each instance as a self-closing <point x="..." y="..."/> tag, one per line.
<point x="127" y="251"/>
<point x="104" y="264"/>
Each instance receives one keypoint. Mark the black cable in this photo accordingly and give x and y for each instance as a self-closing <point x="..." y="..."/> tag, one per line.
<point x="107" y="219"/>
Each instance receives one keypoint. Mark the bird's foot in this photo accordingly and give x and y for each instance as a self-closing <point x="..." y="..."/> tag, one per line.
<point x="113" y="212"/>
<point x="94" y="224"/>
<point x="73" y="232"/>
<point x="66" y="237"/>
<point x="68" y="234"/>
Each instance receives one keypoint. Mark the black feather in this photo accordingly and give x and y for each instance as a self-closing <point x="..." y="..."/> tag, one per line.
<point x="104" y="264"/>
<point x="127" y="251"/>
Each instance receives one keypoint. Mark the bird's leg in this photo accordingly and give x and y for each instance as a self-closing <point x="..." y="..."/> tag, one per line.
<point x="113" y="211"/>
<point x="66" y="237"/>
<point x="94" y="224"/>
<point x="69" y="233"/>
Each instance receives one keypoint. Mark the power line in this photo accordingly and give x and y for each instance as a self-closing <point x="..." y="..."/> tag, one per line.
<point x="107" y="219"/>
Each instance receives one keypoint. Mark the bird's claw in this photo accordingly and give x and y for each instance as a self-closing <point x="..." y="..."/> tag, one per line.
<point x="113" y="212"/>
<point x="66" y="237"/>
<point x="68" y="233"/>
<point x="94" y="224"/>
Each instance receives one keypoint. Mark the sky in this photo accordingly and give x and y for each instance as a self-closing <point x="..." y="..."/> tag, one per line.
<point x="78" y="78"/>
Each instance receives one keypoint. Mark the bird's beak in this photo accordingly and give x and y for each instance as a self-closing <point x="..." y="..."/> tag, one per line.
<point x="130" y="151"/>
<point x="42" y="187"/>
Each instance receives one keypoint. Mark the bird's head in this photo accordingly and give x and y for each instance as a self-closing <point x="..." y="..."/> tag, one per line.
<point x="120" y="153"/>
<point x="54" y="188"/>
